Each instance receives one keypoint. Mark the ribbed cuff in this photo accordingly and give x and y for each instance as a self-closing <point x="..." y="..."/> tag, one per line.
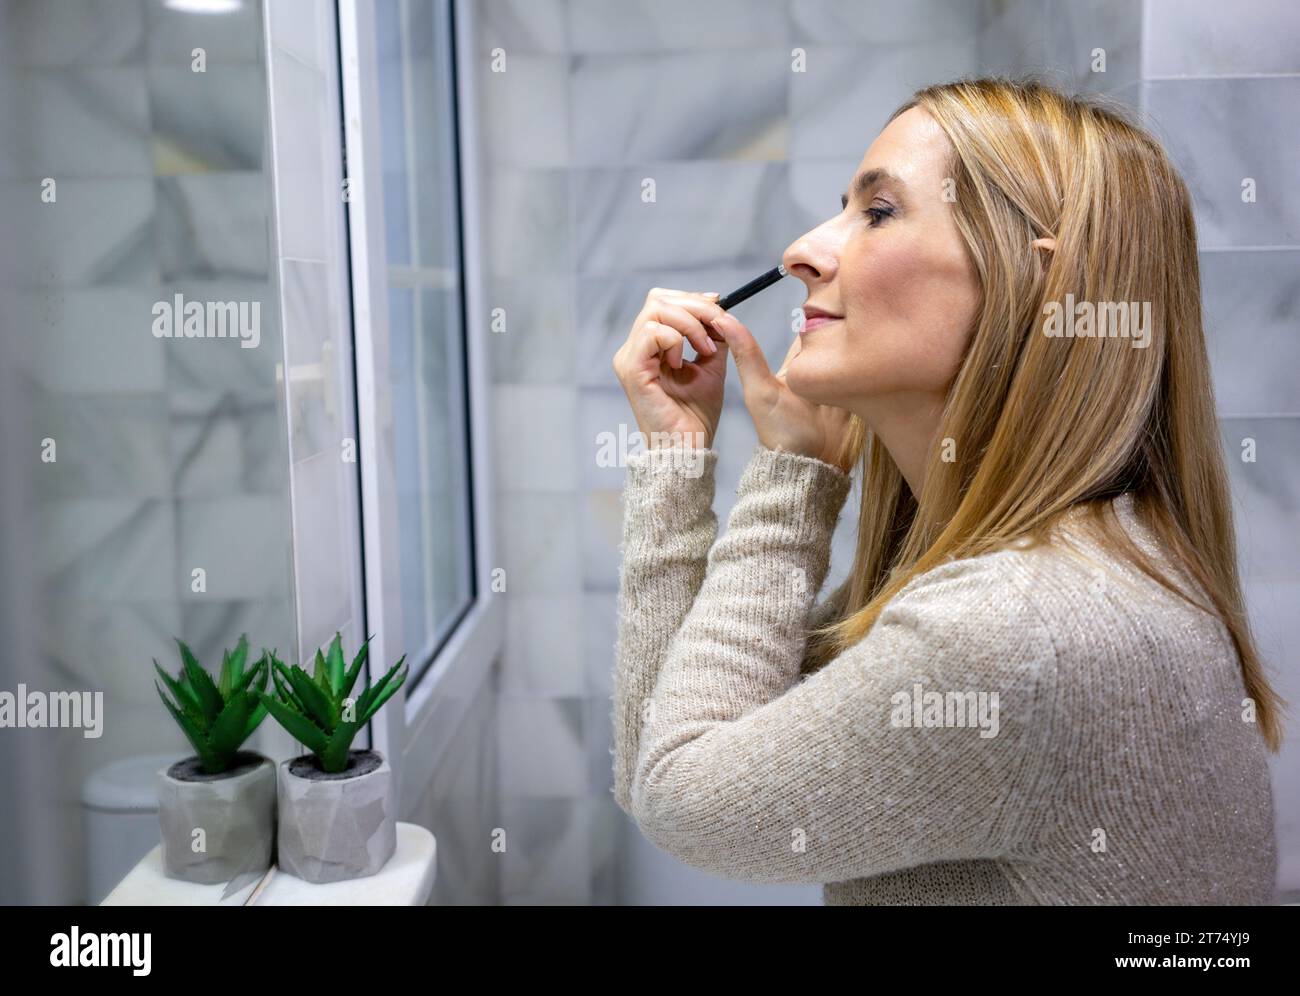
<point x="670" y="487"/>
<point x="805" y="493"/>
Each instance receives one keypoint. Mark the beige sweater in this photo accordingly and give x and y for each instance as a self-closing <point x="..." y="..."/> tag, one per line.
<point x="1087" y="746"/>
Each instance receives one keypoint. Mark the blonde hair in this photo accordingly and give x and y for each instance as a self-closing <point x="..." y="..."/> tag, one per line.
<point x="1050" y="425"/>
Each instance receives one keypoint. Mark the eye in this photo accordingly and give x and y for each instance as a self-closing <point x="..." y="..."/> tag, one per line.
<point x="877" y="215"/>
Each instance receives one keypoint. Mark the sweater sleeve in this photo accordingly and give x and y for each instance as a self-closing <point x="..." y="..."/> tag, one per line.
<point x="873" y="763"/>
<point x="823" y="613"/>
<point x="668" y="527"/>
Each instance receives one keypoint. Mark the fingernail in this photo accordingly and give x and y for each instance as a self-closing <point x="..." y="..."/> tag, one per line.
<point x="713" y="346"/>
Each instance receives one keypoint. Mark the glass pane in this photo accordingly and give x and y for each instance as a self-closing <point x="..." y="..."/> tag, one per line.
<point x="426" y="325"/>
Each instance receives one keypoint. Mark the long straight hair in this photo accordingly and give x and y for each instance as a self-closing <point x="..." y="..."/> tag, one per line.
<point x="1049" y="425"/>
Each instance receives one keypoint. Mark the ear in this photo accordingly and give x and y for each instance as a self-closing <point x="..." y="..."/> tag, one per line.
<point x="1048" y="244"/>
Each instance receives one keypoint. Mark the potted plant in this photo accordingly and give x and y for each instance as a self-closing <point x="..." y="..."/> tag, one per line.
<point x="216" y="808"/>
<point x="336" y="818"/>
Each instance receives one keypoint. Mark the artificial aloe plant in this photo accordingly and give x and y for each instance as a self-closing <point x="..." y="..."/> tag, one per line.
<point x="217" y="717"/>
<point x="319" y="711"/>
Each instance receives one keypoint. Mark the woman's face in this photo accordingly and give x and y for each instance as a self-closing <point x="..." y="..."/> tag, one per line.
<point x="894" y="269"/>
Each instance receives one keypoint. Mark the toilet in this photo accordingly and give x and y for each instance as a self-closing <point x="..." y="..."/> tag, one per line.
<point x="120" y="802"/>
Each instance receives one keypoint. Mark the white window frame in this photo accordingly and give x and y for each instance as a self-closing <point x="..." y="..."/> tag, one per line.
<point x="414" y="728"/>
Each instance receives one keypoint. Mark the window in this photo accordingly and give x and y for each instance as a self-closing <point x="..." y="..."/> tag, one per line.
<point x="426" y="324"/>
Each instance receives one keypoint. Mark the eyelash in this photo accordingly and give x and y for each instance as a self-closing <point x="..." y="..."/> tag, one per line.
<point x="877" y="215"/>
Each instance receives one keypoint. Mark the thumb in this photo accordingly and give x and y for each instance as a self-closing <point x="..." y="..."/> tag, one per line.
<point x="751" y="364"/>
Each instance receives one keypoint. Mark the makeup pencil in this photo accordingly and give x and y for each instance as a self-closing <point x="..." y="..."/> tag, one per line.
<point x="728" y="301"/>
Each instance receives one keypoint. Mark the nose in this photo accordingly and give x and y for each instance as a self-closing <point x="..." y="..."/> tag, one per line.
<point x="813" y="257"/>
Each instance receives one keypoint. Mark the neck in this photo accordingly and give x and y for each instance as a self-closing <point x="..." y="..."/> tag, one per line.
<point x="906" y="424"/>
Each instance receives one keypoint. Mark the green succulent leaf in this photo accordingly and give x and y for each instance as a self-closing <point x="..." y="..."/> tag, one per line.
<point x="240" y="655"/>
<point x="218" y="716"/>
<point x="358" y="662"/>
<point x="192" y="733"/>
<point x="334" y="660"/>
<point x="373" y="698"/>
<point x="232" y="667"/>
<point x="200" y="681"/>
<point x="320" y="708"/>
<point x="311" y="707"/>
<point x="246" y="679"/>
<point x="322" y="682"/>
<point x="334" y="757"/>
<point x="228" y="731"/>
<point x="299" y="727"/>
<point x="321" y="675"/>
<point x="284" y="686"/>
<point x="264" y="666"/>
<point x="255" y="720"/>
<point x="186" y="700"/>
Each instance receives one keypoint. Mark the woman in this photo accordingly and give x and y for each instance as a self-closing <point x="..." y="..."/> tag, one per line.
<point x="1037" y="684"/>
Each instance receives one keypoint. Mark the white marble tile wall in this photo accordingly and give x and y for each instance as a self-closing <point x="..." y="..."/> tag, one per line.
<point x="171" y="453"/>
<point x="1079" y="45"/>
<point x="461" y="807"/>
<point x="1221" y="86"/>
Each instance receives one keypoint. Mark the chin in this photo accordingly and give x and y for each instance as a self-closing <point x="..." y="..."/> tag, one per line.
<point x="805" y="380"/>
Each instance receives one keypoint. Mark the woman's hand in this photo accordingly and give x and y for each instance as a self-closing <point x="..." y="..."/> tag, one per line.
<point x="784" y="420"/>
<point x="674" y="399"/>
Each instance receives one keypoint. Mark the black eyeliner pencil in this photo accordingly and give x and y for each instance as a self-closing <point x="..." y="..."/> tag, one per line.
<point x="728" y="301"/>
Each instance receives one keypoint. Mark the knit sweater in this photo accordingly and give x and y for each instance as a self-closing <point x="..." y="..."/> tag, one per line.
<point x="1030" y="726"/>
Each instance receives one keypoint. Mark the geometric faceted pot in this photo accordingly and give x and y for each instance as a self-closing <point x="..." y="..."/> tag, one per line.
<point x="335" y="826"/>
<point x="235" y="810"/>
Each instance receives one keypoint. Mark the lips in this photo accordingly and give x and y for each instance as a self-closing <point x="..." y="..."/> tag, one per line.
<point x="818" y="322"/>
<point x="816" y="317"/>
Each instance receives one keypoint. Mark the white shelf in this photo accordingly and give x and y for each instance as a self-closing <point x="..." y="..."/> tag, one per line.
<point x="407" y="880"/>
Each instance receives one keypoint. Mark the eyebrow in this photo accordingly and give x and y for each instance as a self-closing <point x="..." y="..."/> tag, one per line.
<point x="865" y="181"/>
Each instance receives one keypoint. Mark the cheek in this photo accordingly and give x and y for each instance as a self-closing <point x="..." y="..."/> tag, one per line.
<point x="909" y="309"/>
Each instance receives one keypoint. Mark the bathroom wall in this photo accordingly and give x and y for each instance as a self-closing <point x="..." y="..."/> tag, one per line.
<point x="170" y="454"/>
<point x="1091" y="46"/>
<point x="21" y="762"/>
<point x="1221" y="84"/>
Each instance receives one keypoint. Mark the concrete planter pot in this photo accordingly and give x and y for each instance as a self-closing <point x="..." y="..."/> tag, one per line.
<point x="336" y="826"/>
<point x="235" y="810"/>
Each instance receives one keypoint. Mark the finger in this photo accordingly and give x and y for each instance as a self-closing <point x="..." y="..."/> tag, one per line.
<point x="702" y="304"/>
<point x="663" y="343"/>
<point x="751" y="364"/>
<point x="664" y="293"/>
<point x="790" y="354"/>
<point x="687" y="316"/>
<point x="673" y="357"/>
<point x="650" y="339"/>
